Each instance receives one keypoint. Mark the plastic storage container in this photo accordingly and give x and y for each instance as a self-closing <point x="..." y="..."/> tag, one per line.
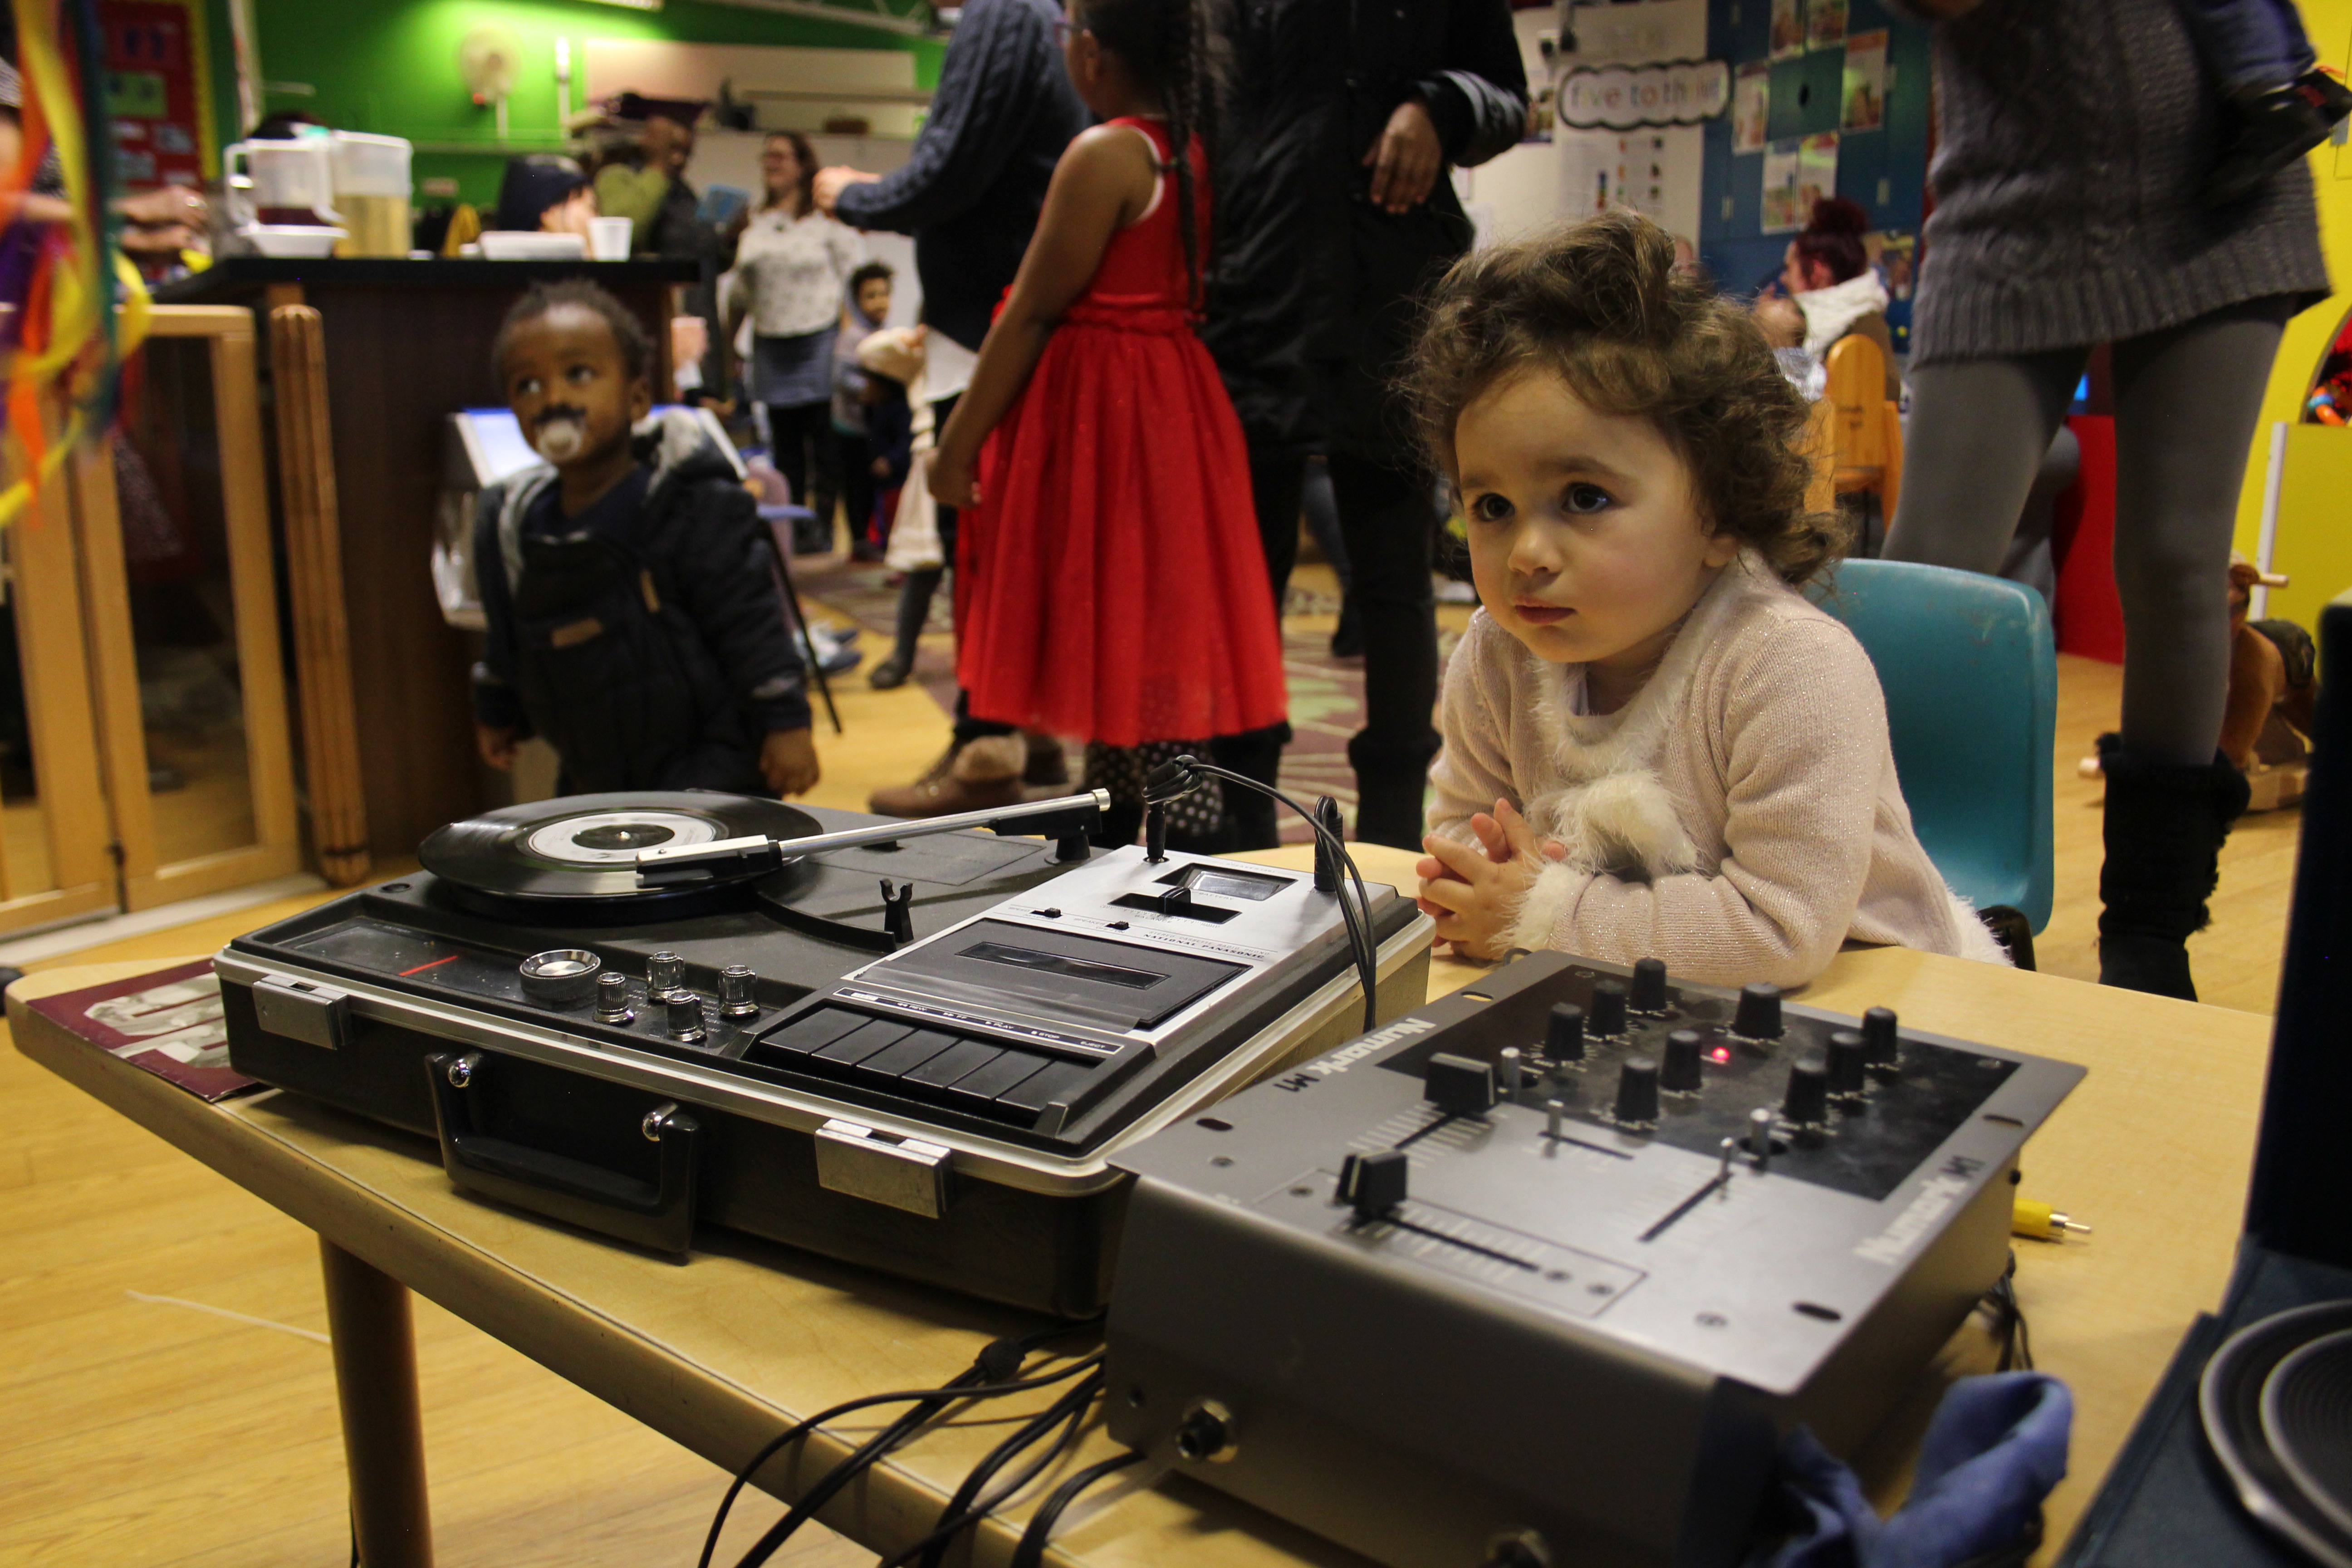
<point x="370" y="182"/>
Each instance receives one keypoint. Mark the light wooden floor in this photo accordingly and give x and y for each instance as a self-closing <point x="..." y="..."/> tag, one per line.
<point x="139" y="1434"/>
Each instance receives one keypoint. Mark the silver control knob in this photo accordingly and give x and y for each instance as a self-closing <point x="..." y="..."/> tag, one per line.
<point x="665" y="973"/>
<point x="735" y="1000"/>
<point x="612" y="999"/>
<point x="559" y="977"/>
<point x="685" y="1017"/>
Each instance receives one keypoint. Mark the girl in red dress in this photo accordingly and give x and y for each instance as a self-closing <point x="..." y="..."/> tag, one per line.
<point x="1111" y="584"/>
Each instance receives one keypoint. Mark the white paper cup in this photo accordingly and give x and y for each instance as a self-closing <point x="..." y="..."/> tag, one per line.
<point x="608" y="238"/>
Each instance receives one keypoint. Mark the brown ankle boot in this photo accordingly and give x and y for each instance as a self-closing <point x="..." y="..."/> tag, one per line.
<point x="982" y="775"/>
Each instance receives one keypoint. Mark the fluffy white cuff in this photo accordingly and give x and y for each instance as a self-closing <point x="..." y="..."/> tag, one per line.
<point x="1545" y="904"/>
<point x="1977" y="940"/>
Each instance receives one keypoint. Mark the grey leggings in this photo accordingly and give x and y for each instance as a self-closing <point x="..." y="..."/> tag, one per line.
<point x="2185" y="402"/>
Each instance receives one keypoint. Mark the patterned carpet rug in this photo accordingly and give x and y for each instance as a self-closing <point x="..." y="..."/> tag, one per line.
<point x="1327" y="694"/>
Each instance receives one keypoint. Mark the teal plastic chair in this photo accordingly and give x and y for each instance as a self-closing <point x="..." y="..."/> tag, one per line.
<point x="1970" y="673"/>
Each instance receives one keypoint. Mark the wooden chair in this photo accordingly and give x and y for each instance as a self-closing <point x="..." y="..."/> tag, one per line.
<point x="1865" y="430"/>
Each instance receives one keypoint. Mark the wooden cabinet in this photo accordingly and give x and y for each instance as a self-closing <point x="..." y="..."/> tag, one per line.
<point x="146" y="756"/>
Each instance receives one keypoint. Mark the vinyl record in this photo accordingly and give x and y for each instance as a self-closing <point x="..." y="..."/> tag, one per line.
<point x="575" y="857"/>
<point x="2231" y="1398"/>
<point x="2307" y="1417"/>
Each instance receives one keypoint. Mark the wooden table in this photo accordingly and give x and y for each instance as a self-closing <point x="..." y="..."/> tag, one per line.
<point x="2153" y="1150"/>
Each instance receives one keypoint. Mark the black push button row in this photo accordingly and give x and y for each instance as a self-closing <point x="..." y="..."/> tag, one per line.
<point x="895" y="1060"/>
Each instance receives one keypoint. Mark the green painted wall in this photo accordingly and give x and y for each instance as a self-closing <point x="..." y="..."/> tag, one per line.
<point x="390" y="66"/>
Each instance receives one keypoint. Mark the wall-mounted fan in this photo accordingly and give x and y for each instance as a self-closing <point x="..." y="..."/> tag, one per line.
<point x="488" y="58"/>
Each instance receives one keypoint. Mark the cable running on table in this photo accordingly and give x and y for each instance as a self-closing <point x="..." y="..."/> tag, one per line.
<point x="992" y="1374"/>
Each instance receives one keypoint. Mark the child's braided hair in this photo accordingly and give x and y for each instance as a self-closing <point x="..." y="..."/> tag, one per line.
<point x="1177" y="49"/>
<point x="1598" y="304"/>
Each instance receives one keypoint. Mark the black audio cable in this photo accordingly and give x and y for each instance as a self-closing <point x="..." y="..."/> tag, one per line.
<point x="1069" y="1413"/>
<point x="992" y="1375"/>
<point x="1181" y="775"/>
<point x="1031" y="1552"/>
<point x="863" y="1457"/>
<point x="2008" y="1321"/>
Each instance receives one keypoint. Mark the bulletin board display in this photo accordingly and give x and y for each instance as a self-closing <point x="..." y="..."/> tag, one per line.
<point x="158" y="91"/>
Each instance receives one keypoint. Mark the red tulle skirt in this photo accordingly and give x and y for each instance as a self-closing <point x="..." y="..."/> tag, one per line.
<point x="1111" y="583"/>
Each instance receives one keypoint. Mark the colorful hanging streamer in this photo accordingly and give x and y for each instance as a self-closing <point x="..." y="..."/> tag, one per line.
<point x="82" y="306"/>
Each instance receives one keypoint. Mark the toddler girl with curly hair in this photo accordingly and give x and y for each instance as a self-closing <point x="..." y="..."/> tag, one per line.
<point x="1655" y="744"/>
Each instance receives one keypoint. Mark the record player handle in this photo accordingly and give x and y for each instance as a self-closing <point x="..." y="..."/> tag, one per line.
<point x="657" y="1215"/>
<point x="1057" y="818"/>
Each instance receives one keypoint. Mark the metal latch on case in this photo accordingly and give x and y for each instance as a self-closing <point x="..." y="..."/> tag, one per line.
<point x="881" y="1167"/>
<point x="303" y="1010"/>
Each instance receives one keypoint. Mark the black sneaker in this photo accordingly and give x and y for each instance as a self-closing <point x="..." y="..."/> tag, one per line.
<point x="2272" y="131"/>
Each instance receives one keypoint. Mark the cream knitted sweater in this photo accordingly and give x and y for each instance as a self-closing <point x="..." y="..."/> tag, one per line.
<point x="1739" y="818"/>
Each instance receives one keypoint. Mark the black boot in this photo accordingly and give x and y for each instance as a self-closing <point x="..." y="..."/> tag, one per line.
<point x="1253" y="819"/>
<point x="2164" y="829"/>
<point x="914" y="611"/>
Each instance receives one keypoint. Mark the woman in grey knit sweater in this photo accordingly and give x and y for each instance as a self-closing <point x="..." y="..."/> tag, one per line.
<point x="2074" y="138"/>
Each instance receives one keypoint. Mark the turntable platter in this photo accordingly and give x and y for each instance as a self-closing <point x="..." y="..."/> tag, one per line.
<point x="576" y="856"/>
<point x="2272" y="1403"/>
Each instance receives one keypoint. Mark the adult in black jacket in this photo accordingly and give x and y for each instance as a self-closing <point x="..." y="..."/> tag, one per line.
<point x="1333" y="210"/>
<point x="971" y="191"/>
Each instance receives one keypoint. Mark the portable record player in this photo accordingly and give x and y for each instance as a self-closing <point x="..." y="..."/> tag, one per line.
<point x="904" y="1047"/>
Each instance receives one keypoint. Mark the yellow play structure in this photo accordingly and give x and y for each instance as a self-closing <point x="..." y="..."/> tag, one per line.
<point x="2309" y="534"/>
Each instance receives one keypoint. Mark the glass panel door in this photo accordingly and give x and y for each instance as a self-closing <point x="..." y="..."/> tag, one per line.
<point x="183" y="601"/>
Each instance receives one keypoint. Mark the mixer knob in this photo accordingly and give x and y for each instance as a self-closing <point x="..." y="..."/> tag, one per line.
<point x="735" y="999"/>
<point x="1807" y="1101"/>
<point x="1608" y="1008"/>
<point x="612" y="999"/>
<point x="1373" y="1185"/>
<point x="1650" y="985"/>
<point x="1758" y="1017"/>
<point x="1458" y="1086"/>
<point x="1879" y="1032"/>
<point x="665" y="973"/>
<point x="1512" y="1076"/>
<point x="1683" y="1074"/>
<point x="1637" y="1093"/>
<point x="1849" y="1076"/>
<point x="1564" y="1033"/>
<point x="684" y="1015"/>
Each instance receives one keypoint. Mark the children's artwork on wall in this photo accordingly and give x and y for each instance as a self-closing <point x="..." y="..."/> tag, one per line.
<point x="1862" y="94"/>
<point x="1751" y="106"/>
<point x="1781" y="215"/>
<point x="1788" y="29"/>
<point x="1895" y="256"/>
<point x="1604" y="171"/>
<point x="1824" y="24"/>
<point x="1817" y="159"/>
<point x="157" y="87"/>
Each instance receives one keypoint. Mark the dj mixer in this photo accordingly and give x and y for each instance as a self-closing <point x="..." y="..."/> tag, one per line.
<point x="1542" y="1273"/>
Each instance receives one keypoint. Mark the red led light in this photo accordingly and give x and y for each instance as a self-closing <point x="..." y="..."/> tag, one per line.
<point x="1720" y="1054"/>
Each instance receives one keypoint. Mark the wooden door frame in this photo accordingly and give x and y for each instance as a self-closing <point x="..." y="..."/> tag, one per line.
<point x="59" y="713"/>
<point x="277" y="848"/>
